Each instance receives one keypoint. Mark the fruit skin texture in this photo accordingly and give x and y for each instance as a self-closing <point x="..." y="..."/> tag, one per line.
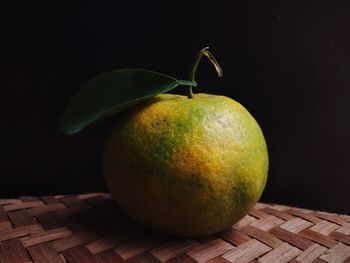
<point x="188" y="167"/>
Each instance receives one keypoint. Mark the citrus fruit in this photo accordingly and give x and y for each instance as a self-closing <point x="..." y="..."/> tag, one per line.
<point x="186" y="166"/>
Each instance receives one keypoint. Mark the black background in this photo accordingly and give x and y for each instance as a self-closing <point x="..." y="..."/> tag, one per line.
<point x="287" y="62"/>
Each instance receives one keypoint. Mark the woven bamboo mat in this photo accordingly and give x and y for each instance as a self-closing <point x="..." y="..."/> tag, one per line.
<point x="91" y="228"/>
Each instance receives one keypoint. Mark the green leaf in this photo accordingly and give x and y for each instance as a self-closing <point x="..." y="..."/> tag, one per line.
<point x="111" y="92"/>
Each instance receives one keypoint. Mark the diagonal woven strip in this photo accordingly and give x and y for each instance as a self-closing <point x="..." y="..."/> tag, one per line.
<point x="91" y="228"/>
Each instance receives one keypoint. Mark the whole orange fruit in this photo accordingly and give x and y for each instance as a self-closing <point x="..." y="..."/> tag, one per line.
<point x="188" y="167"/>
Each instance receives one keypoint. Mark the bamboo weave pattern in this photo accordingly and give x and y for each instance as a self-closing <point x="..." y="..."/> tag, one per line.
<point x="90" y="228"/>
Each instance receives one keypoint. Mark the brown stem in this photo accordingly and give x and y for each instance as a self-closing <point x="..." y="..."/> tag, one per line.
<point x="204" y="51"/>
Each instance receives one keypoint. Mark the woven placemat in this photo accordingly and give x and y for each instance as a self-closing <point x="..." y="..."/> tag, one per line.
<point x="91" y="228"/>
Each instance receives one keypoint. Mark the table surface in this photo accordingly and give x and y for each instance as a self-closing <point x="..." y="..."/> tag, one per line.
<point x="92" y="228"/>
